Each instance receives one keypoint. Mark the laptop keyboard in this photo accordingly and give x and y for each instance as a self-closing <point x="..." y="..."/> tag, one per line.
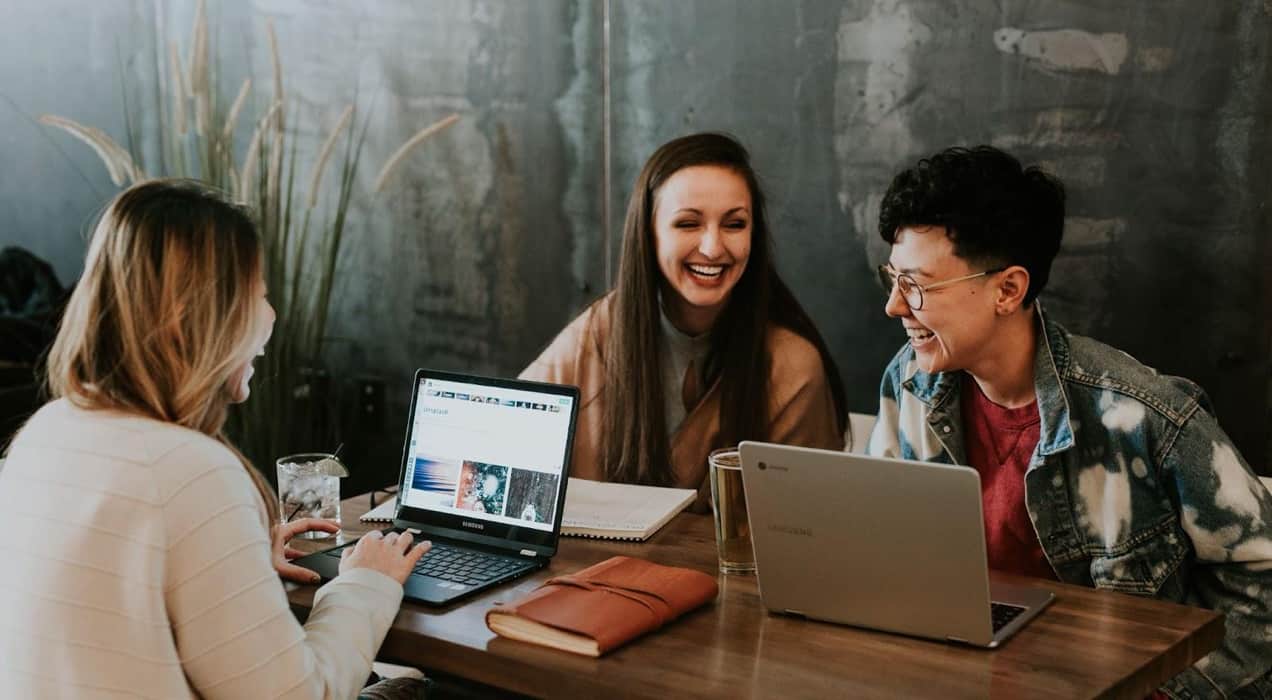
<point x="468" y="567"/>
<point x="1002" y="614"/>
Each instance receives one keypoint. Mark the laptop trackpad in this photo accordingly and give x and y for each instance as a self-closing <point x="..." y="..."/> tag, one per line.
<point x="427" y="589"/>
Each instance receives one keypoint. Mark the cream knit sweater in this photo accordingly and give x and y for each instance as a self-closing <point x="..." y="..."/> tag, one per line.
<point x="134" y="561"/>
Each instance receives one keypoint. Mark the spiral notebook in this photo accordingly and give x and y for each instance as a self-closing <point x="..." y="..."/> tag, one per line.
<point x="620" y="511"/>
<point x="382" y="513"/>
<point x="598" y="509"/>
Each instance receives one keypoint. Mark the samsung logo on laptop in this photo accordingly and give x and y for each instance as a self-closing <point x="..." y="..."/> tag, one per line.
<point x="469" y="524"/>
<point x="801" y="531"/>
<point x="775" y="467"/>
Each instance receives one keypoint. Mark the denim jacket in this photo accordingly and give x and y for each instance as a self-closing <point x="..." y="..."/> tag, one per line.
<point x="1133" y="487"/>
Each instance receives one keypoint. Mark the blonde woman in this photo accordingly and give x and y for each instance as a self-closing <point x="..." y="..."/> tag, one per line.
<point x="138" y="554"/>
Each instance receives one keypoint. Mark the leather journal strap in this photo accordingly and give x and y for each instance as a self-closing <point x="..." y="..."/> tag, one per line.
<point x="657" y="606"/>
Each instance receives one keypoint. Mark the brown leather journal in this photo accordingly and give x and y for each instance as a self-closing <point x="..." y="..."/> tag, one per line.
<point x="603" y="606"/>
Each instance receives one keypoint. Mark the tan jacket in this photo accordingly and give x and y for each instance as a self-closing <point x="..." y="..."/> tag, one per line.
<point x="801" y="407"/>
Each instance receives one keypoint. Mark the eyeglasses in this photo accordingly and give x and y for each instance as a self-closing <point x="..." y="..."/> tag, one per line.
<point x="912" y="291"/>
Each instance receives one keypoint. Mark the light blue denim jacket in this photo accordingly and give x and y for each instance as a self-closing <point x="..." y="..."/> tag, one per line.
<point x="1133" y="487"/>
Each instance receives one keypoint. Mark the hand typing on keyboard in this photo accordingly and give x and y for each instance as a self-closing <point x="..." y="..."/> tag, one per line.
<point x="390" y="554"/>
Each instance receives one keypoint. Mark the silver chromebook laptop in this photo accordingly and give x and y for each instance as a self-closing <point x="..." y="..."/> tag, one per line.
<point x="887" y="544"/>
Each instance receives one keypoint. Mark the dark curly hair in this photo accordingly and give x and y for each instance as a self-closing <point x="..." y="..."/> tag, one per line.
<point x="995" y="212"/>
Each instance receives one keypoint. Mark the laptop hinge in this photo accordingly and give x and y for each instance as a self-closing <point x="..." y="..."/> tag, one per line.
<point x="528" y="553"/>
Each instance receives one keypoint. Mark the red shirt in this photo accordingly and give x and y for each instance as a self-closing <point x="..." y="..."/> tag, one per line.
<point x="999" y="444"/>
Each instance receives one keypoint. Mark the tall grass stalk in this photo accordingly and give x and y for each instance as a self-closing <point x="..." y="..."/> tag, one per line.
<point x="303" y="233"/>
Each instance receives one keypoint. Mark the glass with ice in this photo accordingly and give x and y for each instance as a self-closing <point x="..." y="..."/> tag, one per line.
<point x="309" y="487"/>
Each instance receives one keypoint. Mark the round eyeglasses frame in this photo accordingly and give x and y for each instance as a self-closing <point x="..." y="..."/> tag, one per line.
<point x="912" y="291"/>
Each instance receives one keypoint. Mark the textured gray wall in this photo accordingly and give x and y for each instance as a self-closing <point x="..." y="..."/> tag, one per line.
<point x="1154" y="113"/>
<point x="61" y="56"/>
<point x="482" y="244"/>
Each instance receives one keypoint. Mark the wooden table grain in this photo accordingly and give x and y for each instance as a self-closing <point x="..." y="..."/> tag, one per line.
<point x="1089" y="643"/>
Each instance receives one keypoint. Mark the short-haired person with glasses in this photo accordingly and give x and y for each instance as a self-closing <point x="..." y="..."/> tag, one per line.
<point x="1095" y="469"/>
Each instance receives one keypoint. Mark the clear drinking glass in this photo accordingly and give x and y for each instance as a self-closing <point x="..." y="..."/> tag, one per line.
<point x="728" y="506"/>
<point x="309" y="487"/>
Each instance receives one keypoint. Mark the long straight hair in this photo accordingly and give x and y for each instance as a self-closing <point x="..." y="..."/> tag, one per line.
<point x="635" y="442"/>
<point x="164" y="314"/>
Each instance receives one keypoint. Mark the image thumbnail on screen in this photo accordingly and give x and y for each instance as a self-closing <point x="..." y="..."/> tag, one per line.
<point x="434" y="481"/>
<point x="482" y="488"/>
<point x="532" y="495"/>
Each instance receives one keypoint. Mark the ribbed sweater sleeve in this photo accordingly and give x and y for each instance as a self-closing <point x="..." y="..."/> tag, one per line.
<point x="234" y="631"/>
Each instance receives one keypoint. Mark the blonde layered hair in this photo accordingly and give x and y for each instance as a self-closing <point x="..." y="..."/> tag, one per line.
<point x="164" y="315"/>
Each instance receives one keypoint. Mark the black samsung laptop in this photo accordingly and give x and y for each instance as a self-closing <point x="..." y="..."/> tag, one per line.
<point x="483" y="477"/>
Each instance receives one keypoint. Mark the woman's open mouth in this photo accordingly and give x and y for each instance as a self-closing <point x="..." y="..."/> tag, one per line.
<point x="705" y="273"/>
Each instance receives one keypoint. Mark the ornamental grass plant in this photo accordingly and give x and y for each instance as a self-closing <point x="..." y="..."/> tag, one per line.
<point x="302" y="217"/>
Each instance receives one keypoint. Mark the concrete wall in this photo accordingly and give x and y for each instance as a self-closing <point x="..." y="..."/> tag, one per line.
<point x="64" y="57"/>
<point x="1154" y="113"/>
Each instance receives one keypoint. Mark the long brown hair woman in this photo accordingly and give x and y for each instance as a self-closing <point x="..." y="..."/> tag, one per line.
<point x="142" y="561"/>
<point x="700" y="344"/>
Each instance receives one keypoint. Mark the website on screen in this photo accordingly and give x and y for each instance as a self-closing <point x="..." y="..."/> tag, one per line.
<point x="487" y="452"/>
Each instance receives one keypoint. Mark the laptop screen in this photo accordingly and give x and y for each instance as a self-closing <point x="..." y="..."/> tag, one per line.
<point x="486" y="456"/>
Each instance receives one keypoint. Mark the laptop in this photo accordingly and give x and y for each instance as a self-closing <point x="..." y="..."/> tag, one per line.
<point x="887" y="544"/>
<point x="483" y="477"/>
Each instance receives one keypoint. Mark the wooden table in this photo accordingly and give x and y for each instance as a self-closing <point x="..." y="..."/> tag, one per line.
<point x="1087" y="644"/>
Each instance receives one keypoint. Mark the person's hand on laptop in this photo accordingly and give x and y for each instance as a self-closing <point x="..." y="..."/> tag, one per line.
<point x="391" y="554"/>
<point x="282" y="554"/>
